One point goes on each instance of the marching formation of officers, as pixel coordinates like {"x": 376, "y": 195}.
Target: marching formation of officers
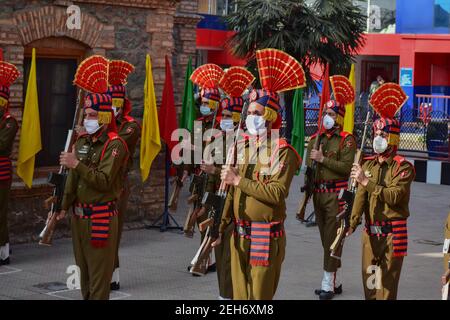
{"x": 250, "y": 247}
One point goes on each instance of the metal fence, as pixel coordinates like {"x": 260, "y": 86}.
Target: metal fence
{"x": 424, "y": 132}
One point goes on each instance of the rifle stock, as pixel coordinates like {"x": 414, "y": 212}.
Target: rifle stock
{"x": 173, "y": 200}
{"x": 308, "y": 187}
{"x": 201, "y": 259}
{"x": 347, "y": 196}
{"x": 59, "y": 182}
{"x": 215, "y": 204}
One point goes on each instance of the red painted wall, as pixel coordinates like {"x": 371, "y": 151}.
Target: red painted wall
{"x": 440, "y": 70}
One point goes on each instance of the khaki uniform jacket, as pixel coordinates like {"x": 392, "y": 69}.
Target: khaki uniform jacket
{"x": 339, "y": 154}
{"x": 96, "y": 180}
{"x": 386, "y": 196}
{"x": 262, "y": 190}
{"x": 130, "y": 132}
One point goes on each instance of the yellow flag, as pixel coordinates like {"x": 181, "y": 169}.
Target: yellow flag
{"x": 349, "y": 119}
{"x": 30, "y": 133}
{"x": 150, "y": 139}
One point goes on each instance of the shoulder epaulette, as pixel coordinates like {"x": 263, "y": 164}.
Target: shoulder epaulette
{"x": 400, "y": 160}
{"x": 111, "y": 137}
{"x": 129, "y": 119}
{"x": 282, "y": 143}
{"x": 345, "y": 134}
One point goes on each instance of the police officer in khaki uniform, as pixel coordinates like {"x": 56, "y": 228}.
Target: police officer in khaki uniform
{"x": 8, "y": 130}
{"x": 231, "y": 107}
{"x": 207, "y": 77}
{"x": 222, "y": 251}
{"x": 130, "y": 131}
{"x": 97, "y": 166}
{"x": 334, "y": 161}
{"x": 258, "y": 188}
{"x": 384, "y": 187}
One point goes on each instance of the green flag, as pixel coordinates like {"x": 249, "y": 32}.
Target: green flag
{"x": 298, "y": 128}
{"x": 188, "y": 112}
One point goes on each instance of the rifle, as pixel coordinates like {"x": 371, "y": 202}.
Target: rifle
{"x": 58, "y": 180}
{"x": 215, "y": 204}
{"x": 308, "y": 187}
{"x": 446, "y": 283}
{"x": 347, "y": 196}
{"x": 173, "y": 200}
{"x": 197, "y": 188}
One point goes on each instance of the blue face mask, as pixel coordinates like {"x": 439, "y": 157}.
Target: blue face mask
{"x": 205, "y": 110}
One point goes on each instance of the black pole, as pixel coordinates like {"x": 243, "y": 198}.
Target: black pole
{"x": 166, "y": 216}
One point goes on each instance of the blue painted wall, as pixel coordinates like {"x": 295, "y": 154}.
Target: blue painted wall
{"x": 417, "y": 16}
{"x": 212, "y": 22}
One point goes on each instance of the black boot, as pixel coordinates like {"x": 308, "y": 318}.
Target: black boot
{"x": 326, "y": 295}
{"x": 115, "y": 285}
{"x": 4, "y": 262}
{"x": 212, "y": 268}
{"x": 337, "y": 290}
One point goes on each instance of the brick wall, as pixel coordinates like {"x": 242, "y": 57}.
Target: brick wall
{"x": 119, "y": 30}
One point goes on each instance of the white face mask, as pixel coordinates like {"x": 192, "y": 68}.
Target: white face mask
{"x": 380, "y": 144}
{"x": 255, "y": 124}
{"x": 91, "y": 126}
{"x": 226, "y": 124}
{"x": 328, "y": 122}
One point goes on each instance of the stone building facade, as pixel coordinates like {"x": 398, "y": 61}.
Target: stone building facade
{"x": 117, "y": 29}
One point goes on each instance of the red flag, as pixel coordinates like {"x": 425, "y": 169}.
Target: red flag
{"x": 167, "y": 115}
{"x": 325, "y": 95}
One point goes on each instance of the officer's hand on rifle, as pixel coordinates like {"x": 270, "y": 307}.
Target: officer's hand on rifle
{"x": 208, "y": 168}
{"x": 185, "y": 175}
{"x": 317, "y": 155}
{"x": 358, "y": 174}
{"x": 80, "y": 130}
{"x": 230, "y": 175}
{"x": 349, "y": 232}
{"x": 217, "y": 242}
{"x": 59, "y": 216}
{"x": 68, "y": 159}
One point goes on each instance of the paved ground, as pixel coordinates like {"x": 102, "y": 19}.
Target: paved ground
{"x": 154, "y": 263}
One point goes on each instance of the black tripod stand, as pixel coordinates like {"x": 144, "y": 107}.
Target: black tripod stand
{"x": 166, "y": 216}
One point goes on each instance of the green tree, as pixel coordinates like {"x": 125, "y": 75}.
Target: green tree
{"x": 323, "y": 31}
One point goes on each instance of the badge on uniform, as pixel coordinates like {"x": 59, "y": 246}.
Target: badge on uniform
{"x": 282, "y": 166}
{"x": 404, "y": 174}
{"x": 367, "y": 174}
{"x": 8, "y": 125}
{"x": 350, "y": 143}
{"x": 84, "y": 149}
{"x": 115, "y": 153}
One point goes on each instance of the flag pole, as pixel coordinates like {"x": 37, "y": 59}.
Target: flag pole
{"x": 166, "y": 216}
